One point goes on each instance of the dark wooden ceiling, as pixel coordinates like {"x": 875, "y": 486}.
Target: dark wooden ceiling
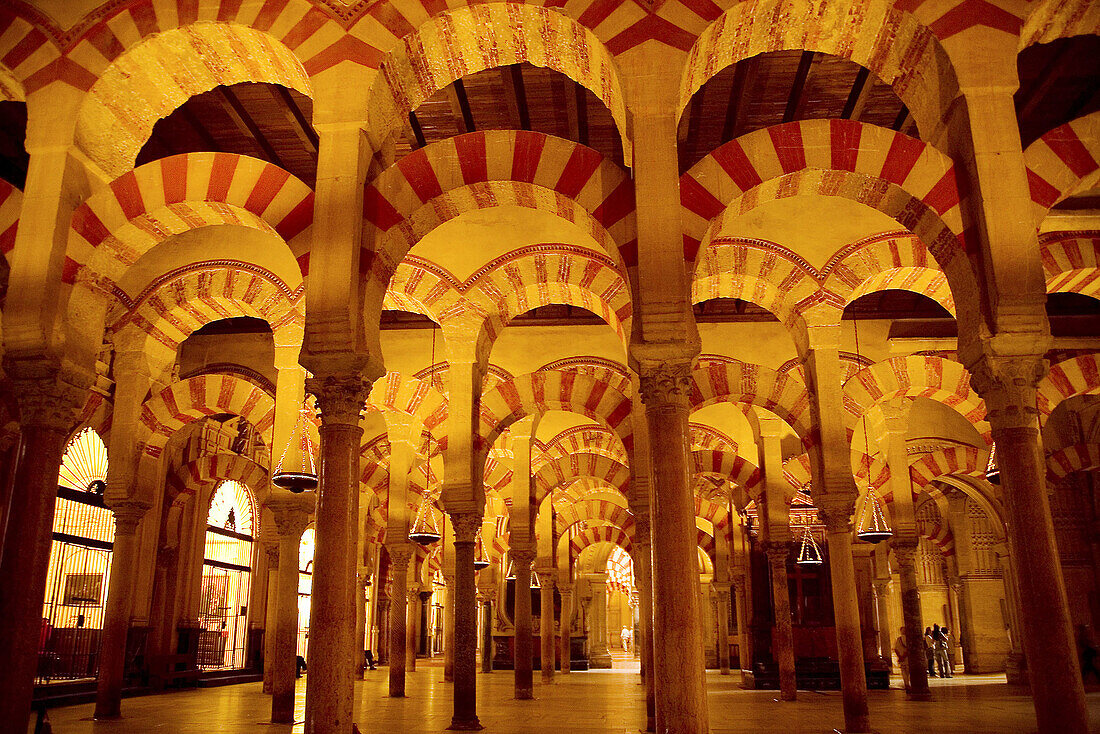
{"x": 1059, "y": 82}
{"x": 13, "y": 155}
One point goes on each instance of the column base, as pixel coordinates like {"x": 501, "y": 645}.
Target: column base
{"x": 525, "y": 695}
{"x": 465, "y": 725}
{"x": 918, "y": 696}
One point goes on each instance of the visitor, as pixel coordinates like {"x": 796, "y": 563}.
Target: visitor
{"x": 627, "y": 636}
{"x": 943, "y": 644}
{"x": 901, "y": 649}
{"x": 301, "y": 666}
{"x": 368, "y": 656}
{"x": 930, "y": 651}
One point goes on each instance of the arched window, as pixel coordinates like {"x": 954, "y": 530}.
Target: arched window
{"x": 305, "y": 588}
{"x": 226, "y": 578}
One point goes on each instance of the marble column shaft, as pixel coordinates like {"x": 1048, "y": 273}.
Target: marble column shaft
{"x": 744, "y": 639}
{"x": 546, "y": 626}
{"x": 882, "y": 618}
{"x": 524, "y": 646}
{"x": 777, "y": 565}
{"x": 566, "y": 592}
{"x": 271, "y": 551}
{"x": 330, "y": 683}
{"x": 487, "y": 636}
{"x": 849, "y": 636}
{"x": 412, "y": 627}
{"x": 724, "y": 630}
{"x": 466, "y": 526}
{"x": 906, "y": 556}
{"x": 400, "y": 553}
{"x": 679, "y": 683}
{"x": 643, "y": 573}
{"x": 449, "y": 629}
{"x": 291, "y": 523}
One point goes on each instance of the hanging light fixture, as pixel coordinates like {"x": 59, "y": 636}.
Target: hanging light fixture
{"x": 809, "y": 553}
{"x": 535, "y": 580}
{"x": 480, "y": 561}
{"x": 511, "y": 575}
{"x": 299, "y": 473}
{"x": 992, "y": 470}
{"x": 872, "y": 526}
{"x": 424, "y": 531}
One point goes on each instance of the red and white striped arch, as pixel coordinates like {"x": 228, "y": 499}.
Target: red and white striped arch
{"x": 1077, "y": 376}
{"x": 538, "y": 392}
{"x": 198, "y": 397}
{"x": 1074, "y": 458}
{"x": 11, "y": 206}
{"x": 598, "y": 368}
{"x": 964, "y": 460}
{"x": 594, "y": 510}
{"x": 470, "y": 39}
{"x": 742, "y": 382}
{"x": 915, "y": 376}
{"x": 409, "y": 396}
{"x": 893, "y": 44}
{"x": 585, "y": 439}
{"x": 121, "y": 222}
{"x": 576, "y": 465}
{"x": 600, "y": 534}
{"x": 178, "y": 303}
{"x": 729, "y": 465}
{"x": 1064, "y": 162}
{"x": 1071, "y": 262}
{"x": 487, "y": 169}
{"x": 1049, "y": 20}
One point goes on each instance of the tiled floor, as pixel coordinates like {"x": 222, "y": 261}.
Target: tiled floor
{"x": 595, "y": 701}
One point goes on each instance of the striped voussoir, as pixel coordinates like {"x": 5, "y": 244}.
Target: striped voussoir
{"x": 1074, "y": 458}
{"x": 960, "y": 460}
{"x": 213, "y": 468}
{"x": 538, "y": 392}
{"x": 738, "y": 470}
{"x": 123, "y": 221}
{"x": 1071, "y": 262}
{"x": 1063, "y": 162}
{"x": 930, "y": 522}
{"x": 566, "y": 469}
{"x": 1077, "y": 376}
{"x": 409, "y": 396}
{"x": 496, "y": 168}
{"x": 198, "y": 397}
{"x": 11, "y": 205}
{"x": 596, "y": 511}
{"x": 1050, "y": 21}
{"x": 706, "y": 438}
{"x": 598, "y": 368}
{"x": 741, "y": 382}
{"x": 587, "y": 439}
{"x": 716, "y": 513}
{"x": 600, "y": 534}
{"x": 796, "y": 470}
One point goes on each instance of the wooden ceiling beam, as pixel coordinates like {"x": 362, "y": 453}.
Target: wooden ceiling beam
{"x": 902, "y": 120}
{"x": 417, "y": 140}
{"x": 735, "y": 111}
{"x": 572, "y": 114}
{"x": 460, "y": 105}
{"x": 582, "y": 113}
{"x": 1042, "y": 84}
{"x": 515, "y": 96}
{"x": 193, "y": 122}
{"x": 857, "y": 98}
{"x": 303, "y": 128}
{"x": 511, "y": 99}
{"x": 797, "y": 99}
{"x": 248, "y": 126}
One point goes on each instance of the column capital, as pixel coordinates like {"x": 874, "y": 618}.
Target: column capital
{"x": 905, "y": 551}
{"x": 522, "y": 555}
{"x": 666, "y": 383}
{"x": 777, "y": 551}
{"x": 723, "y": 593}
{"x": 739, "y": 583}
{"x": 881, "y": 587}
{"x": 48, "y": 401}
{"x": 400, "y": 553}
{"x": 836, "y": 513}
{"x": 340, "y": 397}
{"x": 466, "y": 526}
{"x": 128, "y": 514}
{"x": 271, "y": 552}
{"x": 641, "y": 528}
{"x": 292, "y": 511}
{"x": 1008, "y": 385}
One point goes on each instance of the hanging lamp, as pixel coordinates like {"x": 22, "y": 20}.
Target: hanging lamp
{"x": 480, "y": 561}
{"x": 424, "y": 531}
{"x": 298, "y": 473}
{"x": 872, "y": 526}
{"x": 535, "y": 580}
{"x": 992, "y": 470}
{"x": 511, "y": 575}
{"x": 809, "y": 553}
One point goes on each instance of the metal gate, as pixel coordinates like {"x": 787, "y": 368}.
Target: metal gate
{"x": 223, "y": 641}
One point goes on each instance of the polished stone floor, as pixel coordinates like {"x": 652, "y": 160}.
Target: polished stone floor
{"x": 595, "y": 701}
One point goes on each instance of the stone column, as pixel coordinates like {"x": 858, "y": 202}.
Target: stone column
{"x": 777, "y": 564}
{"x": 882, "y": 618}
{"x": 362, "y": 575}
{"x": 679, "y": 684}
{"x": 291, "y": 517}
{"x": 566, "y": 592}
{"x": 383, "y": 651}
{"x": 643, "y": 576}
{"x": 449, "y": 628}
{"x": 271, "y": 551}
{"x": 400, "y": 553}
{"x": 1008, "y": 386}
{"x": 412, "y": 626}
{"x": 466, "y": 525}
{"x": 487, "y": 636}
{"x": 724, "y": 630}
{"x": 329, "y": 685}
{"x": 523, "y": 649}
{"x": 906, "y": 555}
{"x": 116, "y": 614}
{"x": 47, "y": 409}
{"x": 546, "y": 624}
{"x": 744, "y": 639}
{"x": 599, "y": 656}
{"x": 1015, "y": 664}
{"x": 849, "y": 638}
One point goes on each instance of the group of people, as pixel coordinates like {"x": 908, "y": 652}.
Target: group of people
{"x": 937, "y": 647}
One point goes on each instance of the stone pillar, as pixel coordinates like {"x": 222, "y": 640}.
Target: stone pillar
{"x": 361, "y": 577}
{"x": 546, "y": 624}
{"x": 643, "y": 576}
{"x": 383, "y": 650}
{"x": 849, "y": 638}
{"x": 487, "y": 636}
{"x": 329, "y": 685}
{"x": 291, "y": 517}
{"x": 400, "y": 553}
{"x": 521, "y": 566}
{"x": 47, "y": 409}
{"x": 412, "y": 626}
{"x": 116, "y": 614}
{"x": 466, "y": 525}
{"x": 679, "y": 684}
{"x": 599, "y": 656}
{"x": 566, "y": 592}
{"x": 784, "y": 654}
{"x": 906, "y": 556}
{"x": 744, "y": 639}
{"x": 449, "y": 628}
{"x": 1015, "y": 664}
{"x": 1008, "y": 386}
{"x": 724, "y": 630}
{"x": 882, "y": 618}
{"x": 271, "y": 551}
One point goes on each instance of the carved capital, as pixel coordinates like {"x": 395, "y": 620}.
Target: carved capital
{"x": 666, "y": 383}
{"x": 723, "y": 593}
{"x": 292, "y": 511}
{"x": 128, "y": 515}
{"x": 739, "y": 583}
{"x": 400, "y": 553}
{"x": 340, "y": 398}
{"x": 1008, "y": 386}
{"x": 466, "y": 526}
{"x": 641, "y": 528}
{"x": 881, "y": 587}
{"x": 522, "y": 557}
{"x": 271, "y": 550}
{"x": 49, "y": 402}
{"x": 777, "y": 552}
{"x": 905, "y": 552}
{"x": 837, "y": 514}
